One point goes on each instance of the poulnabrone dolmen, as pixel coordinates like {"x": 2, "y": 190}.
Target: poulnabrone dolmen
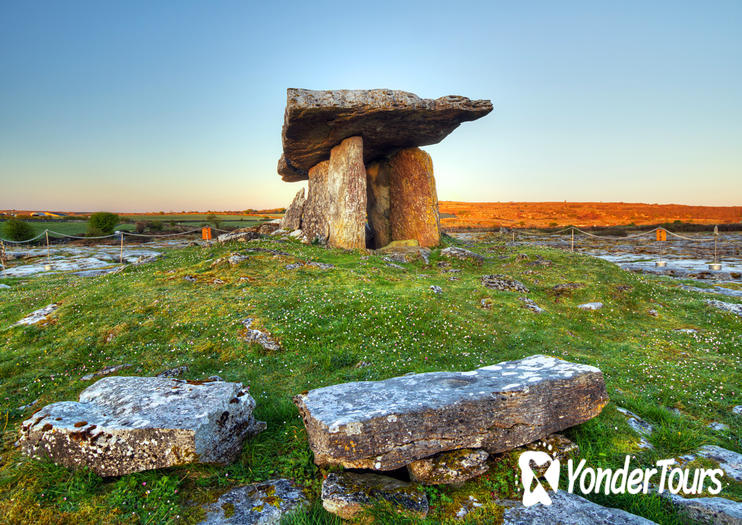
{"x": 369, "y": 182}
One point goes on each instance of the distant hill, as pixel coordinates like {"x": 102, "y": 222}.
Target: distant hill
{"x": 546, "y": 214}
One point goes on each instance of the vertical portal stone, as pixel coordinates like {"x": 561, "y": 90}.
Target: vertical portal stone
{"x": 413, "y": 210}
{"x": 335, "y": 210}
{"x": 377, "y": 191}
{"x": 315, "y": 219}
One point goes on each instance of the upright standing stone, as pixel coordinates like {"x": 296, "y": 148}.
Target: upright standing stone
{"x": 292, "y": 218}
{"x": 414, "y": 201}
{"x": 335, "y": 210}
{"x": 318, "y": 206}
{"x": 377, "y": 186}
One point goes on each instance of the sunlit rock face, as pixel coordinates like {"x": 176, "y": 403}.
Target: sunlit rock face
{"x": 361, "y": 147}
{"x": 385, "y": 425}
{"x": 130, "y": 424}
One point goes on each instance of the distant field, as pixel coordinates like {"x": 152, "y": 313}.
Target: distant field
{"x": 170, "y": 222}
{"x": 582, "y": 214}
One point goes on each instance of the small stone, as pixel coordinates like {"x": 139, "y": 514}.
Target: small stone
{"x": 174, "y": 372}
{"x": 346, "y": 494}
{"x": 503, "y": 283}
{"x": 653, "y": 313}
{"x": 4, "y": 287}
{"x": 590, "y": 306}
{"x": 686, "y": 330}
{"x": 264, "y": 503}
{"x": 130, "y": 424}
{"x": 436, "y": 289}
{"x": 531, "y": 305}
{"x": 268, "y": 228}
{"x": 40, "y": 316}
{"x": 190, "y": 278}
{"x": 395, "y": 266}
{"x": 486, "y": 303}
{"x": 292, "y": 217}
{"x": 461, "y": 253}
{"x": 718, "y": 427}
{"x": 467, "y": 506}
{"x": 737, "y": 410}
{"x": 105, "y": 371}
{"x": 454, "y": 467}
{"x": 730, "y": 462}
{"x": 294, "y": 266}
{"x": 264, "y": 339}
{"x": 24, "y": 407}
{"x": 296, "y": 234}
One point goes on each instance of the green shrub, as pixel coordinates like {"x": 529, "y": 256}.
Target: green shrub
{"x": 17, "y": 230}
{"x": 154, "y": 226}
{"x": 102, "y": 221}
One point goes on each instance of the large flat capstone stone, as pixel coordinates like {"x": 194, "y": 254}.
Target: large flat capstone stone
{"x": 384, "y": 425}
{"x": 129, "y": 424}
{"x": 388, "y": 120}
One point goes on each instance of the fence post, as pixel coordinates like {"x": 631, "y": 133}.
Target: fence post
{"x": 2, "y": 255}
{"x": 573, "y": 239}
{"x": 46, "y": 232}
{"x": 121, "y": 254}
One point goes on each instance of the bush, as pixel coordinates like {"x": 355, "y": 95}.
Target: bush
{"x": 102, "y": 221}
{"x": 17, "y": 230}
{"x": 154, "y": 226}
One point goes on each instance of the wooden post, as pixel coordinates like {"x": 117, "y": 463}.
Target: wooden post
{"x": 573, "y": 240}
{"x": 47, "y": 245}
{"x": 121, "y": 255}
{"x": 513, "y": 236}
{"x": 2, "y": 255}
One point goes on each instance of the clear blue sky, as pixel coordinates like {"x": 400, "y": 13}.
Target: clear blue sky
{"x": 141, "y": 105}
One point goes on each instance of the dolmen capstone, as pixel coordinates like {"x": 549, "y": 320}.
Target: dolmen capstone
{"x": 386, "y": 425}
{"x": 129, "y": 424}
{"x": 369, "y": 183}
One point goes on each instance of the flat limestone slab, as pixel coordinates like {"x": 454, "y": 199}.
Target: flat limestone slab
{"x": 384, "y": 425}
{"x": 129, "y": 424}
{"x": 388, "y": 120}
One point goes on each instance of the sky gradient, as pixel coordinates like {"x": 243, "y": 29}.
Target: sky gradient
{"x": 148, "y": 106}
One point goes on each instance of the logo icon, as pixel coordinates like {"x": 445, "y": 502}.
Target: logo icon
{"x": 537, "y": 494}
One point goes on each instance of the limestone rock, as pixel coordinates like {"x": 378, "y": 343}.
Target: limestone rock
{"x": 503, "y": 283}
{"x": 174, "y": 372}
{"x": 253, "y": 335}
{"x": 388, "y": 120}
{"x": 566, "y": 288}
{"x": 436, "y": 289}
{"x": 531, "y": 305}
{"x": 451, "y": 467}
{"x": 568, "y": 508}
{"x": 292, "y": 217}
{"x": 461, "y": 253}
{"x": 241, "y": 235}
{"x": 636, "y": 423}
{"x": 345, "y": 494}
{"x": 729, "y": 461}
{"x": 732, "y": 308}
{"x": 413, "y": 211}
{"x": 387, "y": 424}
{"x": 590, "y": 306}
{"x": 40, "y": 316}
{"x": 712, "y": 510}
{"x": 264, "y": 503}
{"x": 335, "y": 210}
{"x": 129, "y": 424}
{"x": 718, "y": 427}
{"x": 737, "y": 410}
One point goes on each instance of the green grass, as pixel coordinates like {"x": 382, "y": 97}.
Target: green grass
{"x": 328, "y": 321}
